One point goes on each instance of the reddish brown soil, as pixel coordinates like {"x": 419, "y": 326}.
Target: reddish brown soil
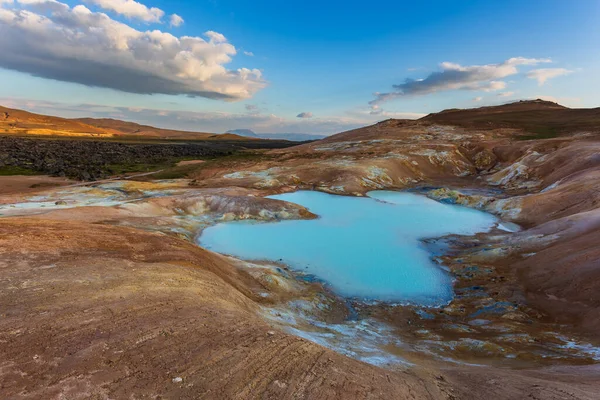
{"x": 537, "y": 117}
{"x": 93, "y": 311}
{"x": 18, "y": 184}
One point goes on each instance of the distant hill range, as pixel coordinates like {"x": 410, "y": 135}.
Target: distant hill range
{"x": 530, "y": 119}
{"x": 133, "y": 129}
{"x": 540, "y": 117}
{"x": 294, "y": 137}
{"x": 19, "y": 122}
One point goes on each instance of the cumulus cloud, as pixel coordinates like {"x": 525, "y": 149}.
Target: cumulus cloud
{"x": 543, "y": 74}
{"x": 305, "y": 115}
{"x": 249, "y": 53}
{"x": 49, "y": 39}
{"x": 176, "y": 20}
{"x": 454, "y": 76}
{"x": 42, "y": 5}
{"x": 216, "y": 37}
{"x": 505, "y": 94}
{"x": 477, "y": 99}
{"x": 130, "y": 9}
{"x": 376, "y": 114}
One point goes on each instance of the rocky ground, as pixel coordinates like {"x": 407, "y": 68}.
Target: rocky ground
{"x": 104, "y": 293}
{"x": 91, "y": 160}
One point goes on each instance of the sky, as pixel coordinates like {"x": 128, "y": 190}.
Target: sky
{"x": 303, "y": 67}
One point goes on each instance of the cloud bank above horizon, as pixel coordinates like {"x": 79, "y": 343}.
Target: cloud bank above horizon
{"x": 258, "y": 120}
{"x": 49, "y": 39}
{"x": 171, "y": 59}
{"x": 480, "y": 78}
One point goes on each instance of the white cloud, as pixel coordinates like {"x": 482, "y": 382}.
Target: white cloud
{"x": 305, "y": 115}
{"x": 505, "y": 94}
{"x": 477, "y": 99}
{"x": 249, "y": 53}
{"x": 49, "y": 39}
{"x": 44, "y": 6}
{"x": 543, "y": 74}
{"x": 376, "y": 114}
{"x": 176, "y": 20}
{"x": 458, "y": 77}
{"x": 130, "y": 9}
{"x": 216, "y": 37}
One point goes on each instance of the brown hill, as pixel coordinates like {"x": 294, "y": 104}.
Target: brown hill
{"x": 538, "y": 117}
{"x": 530, "y": 119}
{"x": 23, "y": 123}
{"x": 19, "y": 122}
{"x": 134, "y": 129}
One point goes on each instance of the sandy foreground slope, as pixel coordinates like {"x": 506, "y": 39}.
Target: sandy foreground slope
{"x": 114, "y": 300}
{"x": 94, "y": 311}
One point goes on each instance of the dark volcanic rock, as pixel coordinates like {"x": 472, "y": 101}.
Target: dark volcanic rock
{"x": 91, "y": 160}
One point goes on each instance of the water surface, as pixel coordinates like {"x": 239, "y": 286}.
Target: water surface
{"x": 367, "y": 248}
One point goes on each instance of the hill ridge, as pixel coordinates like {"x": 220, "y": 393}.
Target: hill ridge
{"x": 25, "y": 123}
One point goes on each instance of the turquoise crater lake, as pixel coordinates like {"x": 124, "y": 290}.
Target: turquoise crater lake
{"x": 362, "y": 247}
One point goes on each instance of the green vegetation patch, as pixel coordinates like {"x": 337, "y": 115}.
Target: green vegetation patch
{"x": 9, "y": 170}
{"x": 185, "y": 171}
{"x": 542, "y": 132}
{"x": 176, "y": 172}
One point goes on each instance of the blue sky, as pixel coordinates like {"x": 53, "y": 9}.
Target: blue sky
{"x": 323, "y": 60}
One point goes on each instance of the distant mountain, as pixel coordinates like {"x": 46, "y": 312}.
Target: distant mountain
{"x": 294, "y": 137}
{"x": 243, "y": 132}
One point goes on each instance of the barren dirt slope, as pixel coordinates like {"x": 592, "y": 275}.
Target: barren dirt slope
{"x": 540, "y": 117}
{"x": 22, "y": 122}
{"x": 521, "y": 120}
{"x": 19, "y": 122}
{"x": 133, "y": 129}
